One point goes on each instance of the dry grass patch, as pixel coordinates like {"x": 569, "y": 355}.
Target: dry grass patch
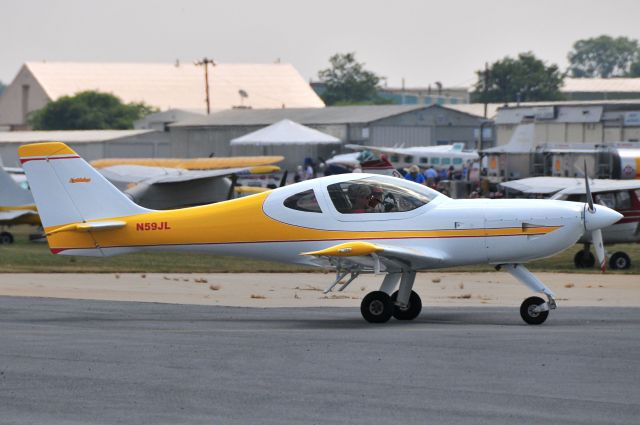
{"x": 215, "y": 287}
{"x": 258, "y": 297}
{"x": 461, "y": 297}
{"x": 435, "y": 280}
{"x": 200, "y": 280}
{"x": 569, "y": 285}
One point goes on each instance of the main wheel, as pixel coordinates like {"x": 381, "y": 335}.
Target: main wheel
{"x": 376, "y": 307}
{"x": 528, "y": 313}
{"x": 411, "y": 311}
{"x": 584, "y": 259}
{"x": 6, "y": 238}
{"x": 619, "y": 261}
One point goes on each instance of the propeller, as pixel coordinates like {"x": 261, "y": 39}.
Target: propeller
{"x": 234, "y": 180}
{"x": 283, "y": 180}
{"x": 596, "y": 235}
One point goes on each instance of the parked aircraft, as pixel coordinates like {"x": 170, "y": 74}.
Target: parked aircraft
{"x": 355, "y": 223}
{"x": 439, "y": 157}
{"x": 16, "y": 206}
{"x": 364, "y": 161}
{"x": 165, "y": 183}
{"x": 620, "y": 195}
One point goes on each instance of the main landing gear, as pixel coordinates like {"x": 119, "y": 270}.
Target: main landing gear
{"x": 403, "y": 304}
{"x": 584, "y": 259}
{"x": 533, "y": 310}
{"x": 6, "y": 238}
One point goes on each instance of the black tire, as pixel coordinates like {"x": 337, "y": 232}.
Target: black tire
{"x": 584, "y": 259}
{"x": 410, "y": 312}
{"x": 527, "y": 313}
{"x": 619, "y": 261}
{"x": 6, "y": 238}
{"x": 376, "y": 307}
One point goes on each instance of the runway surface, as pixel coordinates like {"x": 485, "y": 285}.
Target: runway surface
{"x": 104, "y": 362}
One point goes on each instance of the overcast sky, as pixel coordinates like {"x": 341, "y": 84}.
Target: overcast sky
{"x": 420, "y": 40}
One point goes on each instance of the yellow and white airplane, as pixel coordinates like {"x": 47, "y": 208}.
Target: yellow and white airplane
{"x": 355, "y": 223}
{"x": 16, "y": 206}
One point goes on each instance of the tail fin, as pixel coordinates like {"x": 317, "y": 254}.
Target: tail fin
{"x": 11, "y": 194}
{"x": 67, "y": 189}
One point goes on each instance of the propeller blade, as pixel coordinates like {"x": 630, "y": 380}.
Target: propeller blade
{"x": 283, "y": 180}
{"x": 234, "y": 181}
{"x": 596, "y": 239}
{"x": 588, "y": 189}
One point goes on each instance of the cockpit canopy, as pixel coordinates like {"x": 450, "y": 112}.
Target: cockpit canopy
{"x": 370, "y": 195}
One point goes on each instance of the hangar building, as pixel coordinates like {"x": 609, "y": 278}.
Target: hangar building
{"x": 373, "y": 125}
{"x": 590, "y": 122}
{"x": 164, "y": 86}
{"x": 90, "y": 144}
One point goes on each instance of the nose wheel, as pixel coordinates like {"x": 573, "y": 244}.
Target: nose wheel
{"x": 534, "y": 311}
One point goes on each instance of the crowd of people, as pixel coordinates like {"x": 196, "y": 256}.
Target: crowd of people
{"x": 430, "y": 177}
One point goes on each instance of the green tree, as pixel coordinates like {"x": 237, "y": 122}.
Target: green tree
{"x": 634, "y": 71}
{"x": 524, "y": 79}
{"x": 603, "y": 57}
{"x": 348, "y": 83}
{"x": 88, "y": 110}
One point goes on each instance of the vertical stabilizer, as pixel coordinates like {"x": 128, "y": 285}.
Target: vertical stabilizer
{"x": 69, "y": 190}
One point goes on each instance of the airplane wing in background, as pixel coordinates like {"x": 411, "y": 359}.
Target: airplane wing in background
{"x": 214, "y": 163}
{"x": 10, "y": 215}
{"x": 360, "y": 255}
{"x": 167, "y": 188}
{"x": 159, "y": 175}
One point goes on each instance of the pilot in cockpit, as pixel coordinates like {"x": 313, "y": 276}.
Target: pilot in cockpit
{"x": 367, "y": 199}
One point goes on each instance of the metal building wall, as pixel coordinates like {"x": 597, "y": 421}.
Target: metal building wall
{"x": 425, "y": 127}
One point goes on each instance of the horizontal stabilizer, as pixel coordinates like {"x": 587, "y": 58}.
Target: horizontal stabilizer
{"x": 91, "y": 226}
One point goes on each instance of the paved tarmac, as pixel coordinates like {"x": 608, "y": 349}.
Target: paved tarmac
{"x": 103, "y": 362}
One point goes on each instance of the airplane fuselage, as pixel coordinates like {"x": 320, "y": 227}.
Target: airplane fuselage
{"x": 462, "y": 231}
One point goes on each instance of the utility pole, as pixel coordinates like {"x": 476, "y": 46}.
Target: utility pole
{"x": 485, "y": 88}
{"x": 206, "y": 62}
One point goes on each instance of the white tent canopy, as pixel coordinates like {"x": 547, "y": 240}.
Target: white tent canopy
{"x": 285, "y": 132}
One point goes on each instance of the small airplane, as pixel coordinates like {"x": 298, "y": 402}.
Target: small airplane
{"x": 355, "y": 223}
{"x": 16, "y": 206}
{"x": 175, "y": 183}
{"x": 363, "y": 161}
{"x": 439, "y": 157}
{"x": 620, "y": 195}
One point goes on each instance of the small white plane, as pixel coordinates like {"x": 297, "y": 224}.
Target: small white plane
{"x": 439, "y": 157}
{"x": 176, "y": 183}
{"x": 620, "y": 195}
{"x": 354, "y": 223}
{"x": 16, "y": 206}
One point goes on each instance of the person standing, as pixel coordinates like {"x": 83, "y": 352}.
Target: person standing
{"x": 415, "y": 175}
{"x": 431, "y": 176}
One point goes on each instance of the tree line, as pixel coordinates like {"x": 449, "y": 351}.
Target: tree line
{"x": 524, "y": 78}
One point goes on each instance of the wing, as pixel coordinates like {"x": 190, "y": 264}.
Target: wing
{"x": 213, "y": 163}
{"x": 366, "y": 256}
{"x": 13, "y": 214}
{"x": 159, "y": 175}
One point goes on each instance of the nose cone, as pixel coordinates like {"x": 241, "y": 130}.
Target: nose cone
{"x": 600, "y": 218}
